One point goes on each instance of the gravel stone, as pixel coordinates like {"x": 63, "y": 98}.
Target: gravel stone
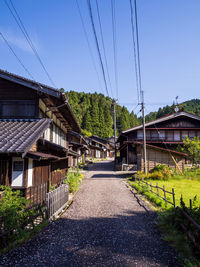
{"x": 106, "y": 225}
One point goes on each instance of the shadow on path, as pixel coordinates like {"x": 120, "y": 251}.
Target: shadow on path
{"x": 121, "y": 240}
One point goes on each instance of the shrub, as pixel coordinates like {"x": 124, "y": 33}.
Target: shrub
{"x": 159, "y": 172}
{"x": 73, "y": 179}
{"x": 13, "y": 214}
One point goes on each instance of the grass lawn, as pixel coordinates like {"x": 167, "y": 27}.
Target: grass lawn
{"x": 185, "y": 187}
{"x": 186, "y": 184}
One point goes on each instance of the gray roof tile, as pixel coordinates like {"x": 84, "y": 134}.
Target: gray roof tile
{"x": 19, "y": 135}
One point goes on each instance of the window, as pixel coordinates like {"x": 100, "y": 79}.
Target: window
{"x": 17, "y": 108}
{"x": 139, "y": 134}
{"x": 184, "y": 134}
{"x": 161, "y": 135}
{"x": 148, "y": 135}
{"x": 177, "y": 136}
{"x": 191, "y": 134}
{"x": 170, "y": 136}
{"x": 18, "y": 166}
{"x": 155, "y": 135}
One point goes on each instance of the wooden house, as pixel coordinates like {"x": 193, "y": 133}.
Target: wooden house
{"x": 78, "y": 148}
{"x": 34, "y": 122}
{"x": 96, "y": 149}
{"x": 110, "y": 147}
{"x": 162, "y": 137}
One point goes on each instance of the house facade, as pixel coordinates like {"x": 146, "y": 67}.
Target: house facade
{"x": 34, "y": 122}
{"x": 163, "y": 135}
{"x": 96, "y": 149}
{"x": 78, "y": 148}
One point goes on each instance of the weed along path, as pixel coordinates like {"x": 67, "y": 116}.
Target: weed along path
{"x": 106, "y": 225}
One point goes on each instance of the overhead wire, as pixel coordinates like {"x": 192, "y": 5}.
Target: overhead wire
{"x": 138, "y": 50}
{"x": 114, "y": 46}
{"x": 97, "y": 45}
{"x": 103, "y": 45}
{"x": 134, "y": 50}
{"x": 18, "y": 59}
{"x": 88, "y": 43}
{"x": 27, "y": 37}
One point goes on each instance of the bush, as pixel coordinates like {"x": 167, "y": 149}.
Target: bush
{"x": 73, "y": 179}
{"x": 13, "y": 215}
{"x": 159, "y": 172}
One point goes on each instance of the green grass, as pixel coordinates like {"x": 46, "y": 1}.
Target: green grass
{"x": 188, "y": 256}
{"x": 186, "y": 188}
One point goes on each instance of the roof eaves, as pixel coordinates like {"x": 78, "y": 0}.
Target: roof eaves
{"x": 174, "y": 115}
{"x": 30, "y": 83}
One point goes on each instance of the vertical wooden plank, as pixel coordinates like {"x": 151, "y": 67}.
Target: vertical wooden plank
{"x": 151, "y": 187}
{"x": 157, "y": 189}
{"x": 173, "y": 194}
{"x": 165, "y": 196}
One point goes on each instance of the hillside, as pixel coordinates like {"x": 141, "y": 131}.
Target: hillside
{"x": 94, "y": 113}
{"x": 191, "y": 106}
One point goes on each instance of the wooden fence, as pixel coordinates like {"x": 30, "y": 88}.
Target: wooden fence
{"x": 57, "y": 200}
{"x": 191, "y": 228}
{"x": 37, "y": 194}
{"x": 157, "y": 190}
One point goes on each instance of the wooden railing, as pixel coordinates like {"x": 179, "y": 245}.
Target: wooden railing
{"x": 142, "y": 182}
{"x": 57, "y": 200}
{"x": 191, "y": 228}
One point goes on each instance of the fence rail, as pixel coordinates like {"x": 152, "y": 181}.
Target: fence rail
{"x": 189, "y": 227}
{"x": 143, "y": 183}
{"x": 57, "y": 200}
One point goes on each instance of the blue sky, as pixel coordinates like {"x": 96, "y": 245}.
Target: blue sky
{"x": 169, "y": 47}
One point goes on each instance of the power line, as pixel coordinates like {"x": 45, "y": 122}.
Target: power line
{"x": 114, "y": 44}
{"x": 88, "y": 43}
{"x": 138, "y": 50}
{"x": 18, "y": 59}
{"x": 97, "y": 45}
{"x": 27, "y": 37}
{"x": 103, "y": 45}
{"x": 134, "y": 49}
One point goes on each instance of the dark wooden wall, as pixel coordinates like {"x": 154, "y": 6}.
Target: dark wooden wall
{"x": 4, "y": 172}
{"x": 41, "y": 172}
{"x": 17, "y": 101}
{"x": 58, "y": 171}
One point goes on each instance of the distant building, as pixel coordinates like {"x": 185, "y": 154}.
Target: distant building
{"x": 162, "y": 137}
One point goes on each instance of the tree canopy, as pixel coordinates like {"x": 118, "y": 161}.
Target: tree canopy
{"x": 94, "y": 113}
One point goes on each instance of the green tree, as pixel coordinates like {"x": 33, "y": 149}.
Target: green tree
{"x": 192, "y": 147}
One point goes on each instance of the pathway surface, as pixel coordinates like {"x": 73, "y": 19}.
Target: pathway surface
{"x": 107, "y": 225}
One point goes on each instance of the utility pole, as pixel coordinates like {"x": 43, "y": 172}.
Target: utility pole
{"x": 144, "y": 134}
{"x": 114, "y": 121}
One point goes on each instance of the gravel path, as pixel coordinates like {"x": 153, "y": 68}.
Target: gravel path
{"x": 107, "y": 225}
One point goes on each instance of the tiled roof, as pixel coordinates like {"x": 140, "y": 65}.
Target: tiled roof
{"x": 19, "y": 135}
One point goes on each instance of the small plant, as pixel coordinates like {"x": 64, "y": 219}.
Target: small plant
{"x": 52, "y": 187}
{"x": 73, "y": 178}
{"x": 13, "y": 214}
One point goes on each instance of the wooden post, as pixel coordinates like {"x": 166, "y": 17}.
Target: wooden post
{"x": 157, "y": 189}
{"x": 173, "y": 194}
{"x": 165, "y": 196}
{"x": 190, "y": 203}
{"x": 151, "y": 187}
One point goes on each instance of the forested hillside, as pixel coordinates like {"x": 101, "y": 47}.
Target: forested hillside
{"x": 94, "y": 113}
{"x": 191, "y": 106}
